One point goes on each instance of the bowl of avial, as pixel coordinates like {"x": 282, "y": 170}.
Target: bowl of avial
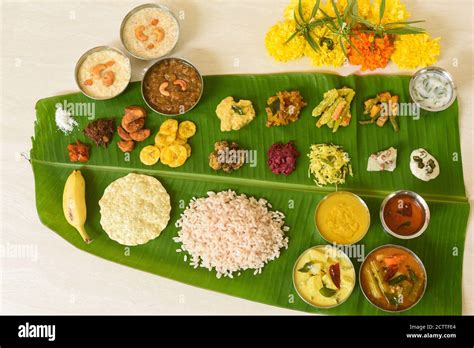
{"x": 323, "y": 276}
{"x": 342, "y": 218}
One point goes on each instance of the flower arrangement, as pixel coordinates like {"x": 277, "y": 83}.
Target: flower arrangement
{"x": 366, "y": 33}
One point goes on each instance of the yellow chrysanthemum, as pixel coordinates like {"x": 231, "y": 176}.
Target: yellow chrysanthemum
{"x": 325, "y": 56}
{"x": 395, "y": 11}
{"x": 278, "y": 48}
{"x": 415, "y": 51}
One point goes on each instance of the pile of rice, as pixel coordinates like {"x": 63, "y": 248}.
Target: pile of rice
{"x": 231, "y": 233}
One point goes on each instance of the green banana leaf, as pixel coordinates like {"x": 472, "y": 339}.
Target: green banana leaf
{"x": 441, "y": 247}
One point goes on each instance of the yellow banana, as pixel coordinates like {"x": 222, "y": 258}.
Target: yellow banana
{"x": 74, "y": 203}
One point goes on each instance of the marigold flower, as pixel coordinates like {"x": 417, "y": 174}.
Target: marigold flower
{"x": 278, "y": 48}
{"x": 372, "y": 52}
{"x": 415, "y": 51}
{"x": 394, "y": 11}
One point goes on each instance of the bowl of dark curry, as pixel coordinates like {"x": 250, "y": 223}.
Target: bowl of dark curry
{"x": 172, "y": 86}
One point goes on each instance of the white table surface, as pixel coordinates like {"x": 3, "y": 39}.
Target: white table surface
{"x": 41, "y": 42}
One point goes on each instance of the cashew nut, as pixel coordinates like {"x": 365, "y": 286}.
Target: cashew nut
{"x": 181, "y": 83}
{"x": 150, "y": 46}
{"x": 108, "y": 78}
{"x": 97, "y": 70}
{"x": 139, "y": 33}
{"x": 88, "y": 82}
{"x": 163, "y": 90}
{"x": 159, "y": 34}
{"x": 155, "y": 21}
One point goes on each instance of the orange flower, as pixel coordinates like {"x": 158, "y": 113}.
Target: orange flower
{"x": 372, "y": 52}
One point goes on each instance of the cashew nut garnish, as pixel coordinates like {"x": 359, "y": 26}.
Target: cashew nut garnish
{"x": 139, "y": 33}
{"x": 155, "y": 21}
{"x": 159, "y": 34}
{"x": 163, "y": 90}
{"x": 150, "y": 46}
{"x": 88, "y": 82}
{"x": 108, "y": 78}
{"x": 181, "y": 83}
{"x": 97, "y": 70}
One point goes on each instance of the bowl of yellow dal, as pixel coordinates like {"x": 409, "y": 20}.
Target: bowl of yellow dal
{"x": 342, "y": 218}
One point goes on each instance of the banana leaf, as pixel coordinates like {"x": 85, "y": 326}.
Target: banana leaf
{"x": 441, "y": 247}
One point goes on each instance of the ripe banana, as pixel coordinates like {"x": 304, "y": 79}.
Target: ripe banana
{"x": 74, "y": 203}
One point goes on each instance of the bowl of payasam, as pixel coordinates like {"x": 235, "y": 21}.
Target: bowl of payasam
{"x": 324, "y": 276}
{"x": 393, "y": 278}
{"x": 149, "y": 31}
{"x": 342, "y": 218}
{"x": 103, "y": 72}
{"x": 172, "y": 86}
{"x": 404, "y": 214}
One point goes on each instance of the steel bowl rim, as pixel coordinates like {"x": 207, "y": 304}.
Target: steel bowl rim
{"x": 138, "y": 8}
{"x": 159, "y": 61}
{"x": 441, "y": 71}
{"x": 359, "y": 199}
{"x": 86, "y": 54}
{"x": 294, "y": 272}
{"x": 420, "y": 200}
{"x": 415, "y": 256}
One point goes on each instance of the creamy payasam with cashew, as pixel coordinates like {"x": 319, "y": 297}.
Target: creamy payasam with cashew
{"x": 104, "y": 74}
{"x": 172, "y": 86}
{"x": 150, "y": 33}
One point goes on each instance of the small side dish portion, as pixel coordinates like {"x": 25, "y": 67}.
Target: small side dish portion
{"x": 382, "y": 108}
{"x": 385, "y": 160}
{"x": 335, "y": 109}
{"x": 103, "y": 73}
{"x": 172, "y": 86}
{"x": 423, "y": 165}
{"x": 226, "y": 156}
{"x": 284, "y": 108}
{"x": 282, "y": 158}
{"x": 100, "y": 131}
{"x": 324, "y": 276}
{"x": 234, "y": 115}
{"x": 393, "y": 278}
{"x": 131, "y": 128}
{"x": 150, "y": 32}
{"x": 64, "y": 120}
{"x": 329, "y": 164}
{"x": 78, "y": 152}
{"x": 172, "y": 143}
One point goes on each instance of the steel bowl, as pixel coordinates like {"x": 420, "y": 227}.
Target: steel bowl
{"x": 87, "y": 54}
{"x": 444, "y": 73}
{"x": 138, "y": 8}
{"x": 295, "y": 270}
{"x": 420, "y": 200}
{"x": 159, "y": 62}
{"x": 422, "y": 266}
{"x": 330, "y": 195}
